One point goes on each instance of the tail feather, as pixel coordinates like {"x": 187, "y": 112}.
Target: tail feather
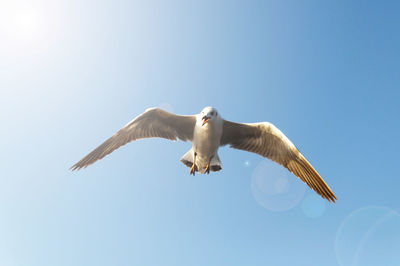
{"x": 187, "y": 159}
{"x": 215, "y": 164}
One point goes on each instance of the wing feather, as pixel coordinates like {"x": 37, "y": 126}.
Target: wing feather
{"x": 152, "y": 123}
{"x": 268, "y": 141}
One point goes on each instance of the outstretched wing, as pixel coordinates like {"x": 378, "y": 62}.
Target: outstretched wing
{"x": 152, "y": 123}
{"x": 268, "y": 141}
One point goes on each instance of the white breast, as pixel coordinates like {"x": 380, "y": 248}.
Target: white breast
{"x": 206, "y": 139}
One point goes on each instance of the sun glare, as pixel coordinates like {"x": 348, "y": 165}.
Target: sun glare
{"x": 26, "y": 21}
{"x": 25, "y": 28}
{"x": 22, "y": 22}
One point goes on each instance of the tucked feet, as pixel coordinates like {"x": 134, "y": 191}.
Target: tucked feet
{"x": 207, "y": 169}
{"x": 193, "y": 169}
{"x": 208, "y": 166}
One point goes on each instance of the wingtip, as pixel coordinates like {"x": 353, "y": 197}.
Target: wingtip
{"x": 332, "y": 198}
{"x": 74, "y": 168}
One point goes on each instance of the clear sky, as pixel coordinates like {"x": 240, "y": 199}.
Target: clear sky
{"x": 326, "y": 73}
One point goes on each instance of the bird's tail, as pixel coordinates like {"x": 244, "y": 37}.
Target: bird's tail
{"x": 215, "y": 164}
{"x": 187, "y": 159}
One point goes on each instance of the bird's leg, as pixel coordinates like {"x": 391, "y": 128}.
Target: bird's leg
{"x": 208, "y": 169}
{"x": 193, "y": 168}
{"x": 208, "y": 165}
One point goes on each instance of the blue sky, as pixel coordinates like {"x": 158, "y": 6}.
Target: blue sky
{"x": 73, "y": 72}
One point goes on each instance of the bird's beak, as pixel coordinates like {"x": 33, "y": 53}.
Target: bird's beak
{"x": 205, "y": 120}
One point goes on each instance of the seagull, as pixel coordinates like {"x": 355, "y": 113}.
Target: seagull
{"x": 208, "y": 131}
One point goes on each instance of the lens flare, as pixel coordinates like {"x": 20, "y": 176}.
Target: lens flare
{"x": 275, "y": 188}
{"x": 313, "y": 206}
{"x": 369, "y": 236}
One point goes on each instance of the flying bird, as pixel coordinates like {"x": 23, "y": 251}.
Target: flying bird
{"x": 208, "y": 131}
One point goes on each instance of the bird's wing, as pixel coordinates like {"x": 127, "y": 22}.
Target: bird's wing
{"x": 152, "y": 123}
{"x": 268, "y": 141}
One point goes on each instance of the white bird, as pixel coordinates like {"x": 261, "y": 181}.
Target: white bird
{"x": 208, "y": 131}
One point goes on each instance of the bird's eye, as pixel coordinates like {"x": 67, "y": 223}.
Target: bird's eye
{"x": 212, "y": 113}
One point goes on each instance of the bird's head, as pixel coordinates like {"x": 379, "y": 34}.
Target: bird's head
{"x": 208, "y": 114}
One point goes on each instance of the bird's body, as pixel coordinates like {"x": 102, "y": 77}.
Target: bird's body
{"x": 208, "y": 131}
{"x": 206, "y": 141}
